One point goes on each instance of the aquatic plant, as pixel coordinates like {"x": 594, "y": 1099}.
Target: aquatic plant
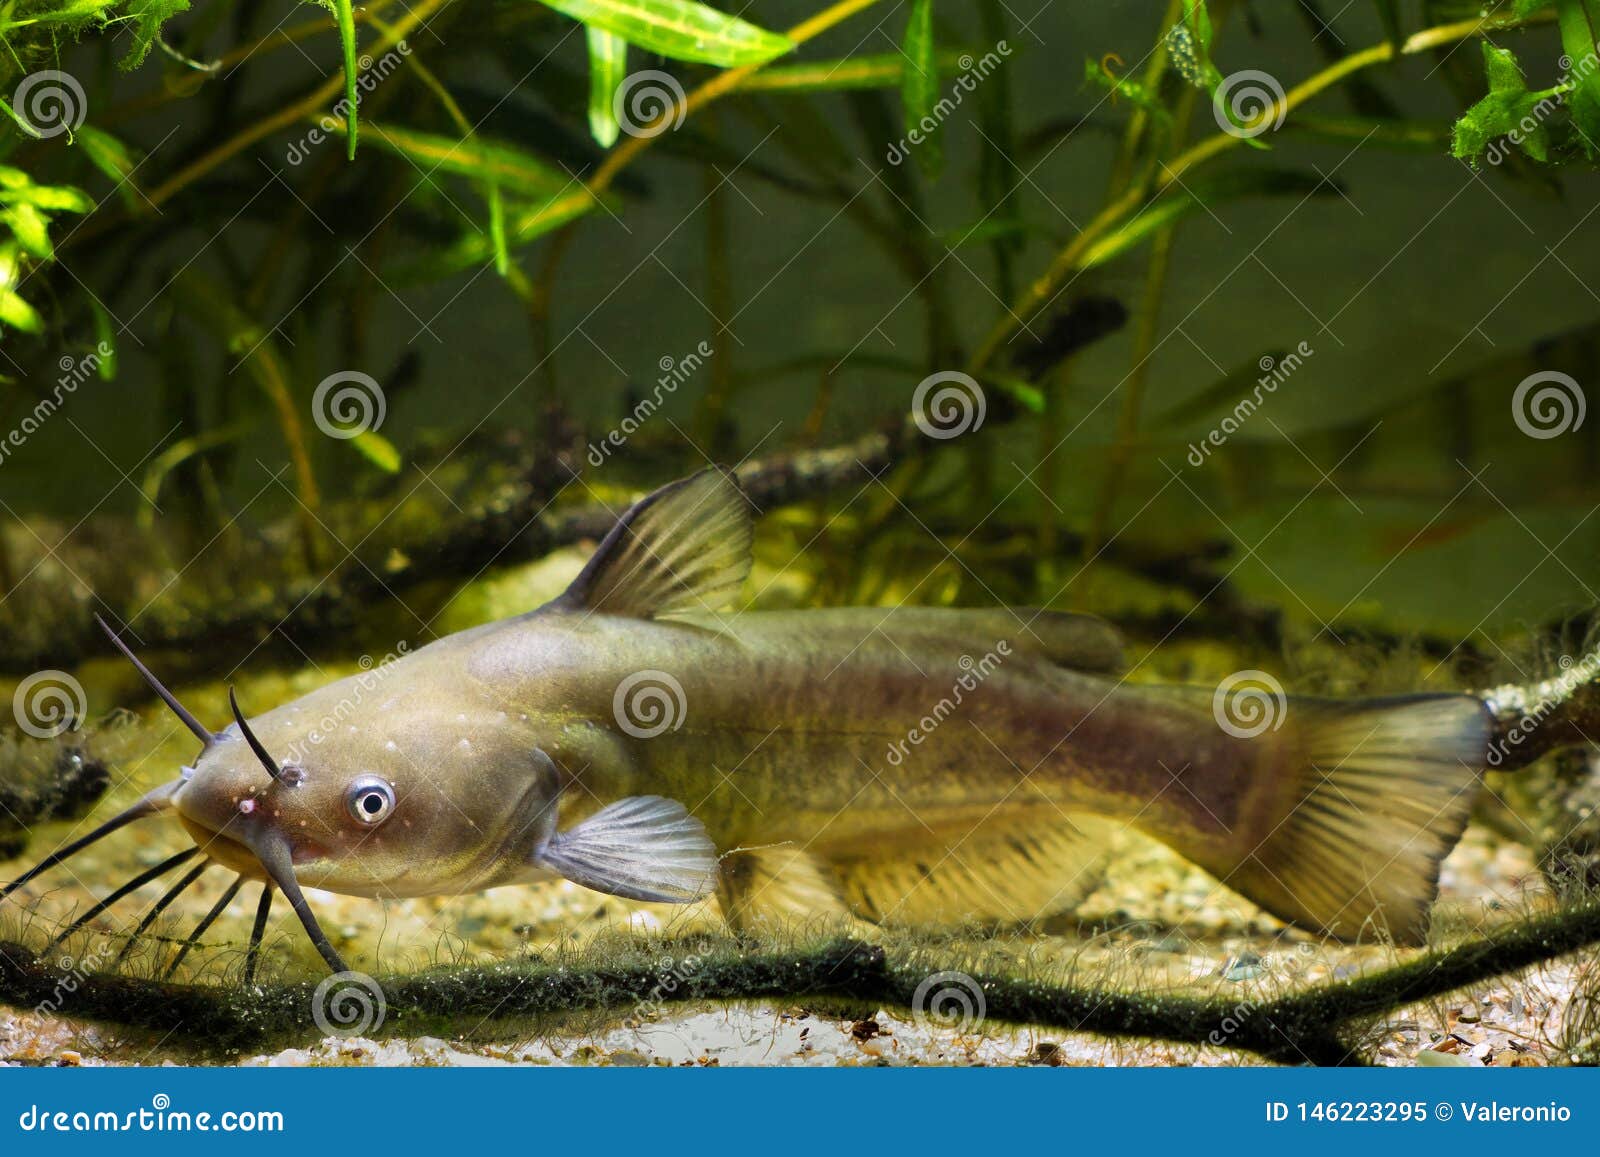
{"x": 414, "y": 164}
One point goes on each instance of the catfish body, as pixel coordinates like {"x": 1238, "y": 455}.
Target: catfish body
{"x": 909, "y": 765}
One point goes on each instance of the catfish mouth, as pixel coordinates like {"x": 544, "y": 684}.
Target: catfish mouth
{"x": 256, "y": 853}
{"x": 236, "y": 853}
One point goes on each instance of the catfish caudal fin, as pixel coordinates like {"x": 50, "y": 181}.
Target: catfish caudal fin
{"x": 1379, "y": 795}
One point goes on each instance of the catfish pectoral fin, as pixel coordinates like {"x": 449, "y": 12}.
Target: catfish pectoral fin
{"x": 1377, "y": 795}
{"x": 640, "y": 848}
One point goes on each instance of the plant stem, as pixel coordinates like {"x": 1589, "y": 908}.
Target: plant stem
{"x": 1066, "y": 261}
{"x": 287, "y": 115}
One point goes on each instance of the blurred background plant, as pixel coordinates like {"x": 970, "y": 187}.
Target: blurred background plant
{"x": 310, "y": 313}
{"x": 1266, "y": 329}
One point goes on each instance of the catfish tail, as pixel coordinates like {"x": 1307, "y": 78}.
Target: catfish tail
{"x": 1374, "y": 794}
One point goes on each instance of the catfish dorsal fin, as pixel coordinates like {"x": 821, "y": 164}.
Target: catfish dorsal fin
{"x": 686, "y": 547}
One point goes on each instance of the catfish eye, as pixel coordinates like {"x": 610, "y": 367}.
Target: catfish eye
{"x": 370, "y": 799}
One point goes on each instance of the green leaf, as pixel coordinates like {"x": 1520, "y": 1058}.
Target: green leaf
{"x": 1175, "y": 206}
{"x": 1508, "y": 109}
{"x": 919, "y": 86}
{"x": 473, "y": 156}
{"x": 525, "y": 225}
{"x": 1579, "y": 21}
{"x": 113, "y": 158}
{"x": 1095, "y": 73}
{"x": 876, "y": 70}
{"x": 1028, "y": 395}
{"x": 608, "y": 68}
{"x": 17, "y": 313}
{"x": 378, "y": 450}
{"x": 147, "y": 17}
{"x": 680, "y": 30}
{"x": 345, "y": 15}
{"x": 49, "y": 198}
{"x": 21, "y": 122}
{"x": 31, "y": 229}
{"x": 105, "y": 342}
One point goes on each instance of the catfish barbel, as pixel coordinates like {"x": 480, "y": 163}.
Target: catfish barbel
{"x": 918, "y": 766}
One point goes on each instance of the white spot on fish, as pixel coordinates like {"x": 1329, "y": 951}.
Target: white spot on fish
{"x": 391, "y": 746}
{"x": 246, "y": 806}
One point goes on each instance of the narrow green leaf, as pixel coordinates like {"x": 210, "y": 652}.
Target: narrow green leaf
{"x": 49, "y": 198}
{"x": 1025, "y": 393}
{"x": 473, "y": 156}
{"x": 877, "y": 70}
{"x": 31, "y": 229}
{"x": 497, "y": 229}
{"x": 378, "y": 450}
{"x": 679, "y": 30}
{"x": 113, "y": 158}
{"x": 17, "y": 313}
{"x": 175, "y": 455}
{"x": 21, "y": 122}
{"x": 523, "y": 226}
{"x": 1201, "y": 194}
{"x": 608, "y": 68}
{"x": 345, "y": 14}
{"x": 1579, "y": 21}
{"x": 105, "y": 342}
{"x": 919, "y": 87}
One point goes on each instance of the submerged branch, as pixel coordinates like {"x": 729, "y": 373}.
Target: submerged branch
{"x": 1315, "y": 1025}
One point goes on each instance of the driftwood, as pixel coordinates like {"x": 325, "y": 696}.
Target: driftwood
{"x": 517, "y": 520}
{"x": 1318, "y": 1025}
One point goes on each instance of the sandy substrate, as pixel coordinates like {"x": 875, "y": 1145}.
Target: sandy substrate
{"x": 1156, "y": 925}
